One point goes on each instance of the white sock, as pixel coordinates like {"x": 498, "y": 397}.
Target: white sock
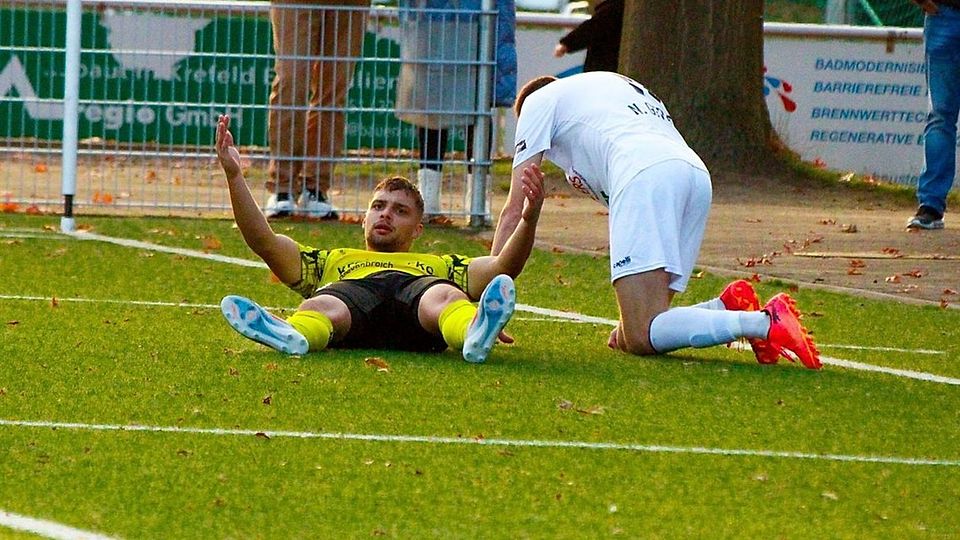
{"x": 697, "y": 327}
{"x": 716, "y": 304}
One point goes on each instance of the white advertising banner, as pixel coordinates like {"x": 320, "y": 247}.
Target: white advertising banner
{"x": 849, "y": 99}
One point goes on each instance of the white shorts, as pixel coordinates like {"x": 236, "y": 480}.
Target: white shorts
{"x": 657, "y": 221}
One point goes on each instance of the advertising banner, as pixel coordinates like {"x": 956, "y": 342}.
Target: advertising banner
{"x": 852, "y": 104}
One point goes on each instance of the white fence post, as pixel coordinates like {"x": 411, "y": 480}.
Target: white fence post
{"x": 481, "y": 133}
{"x": 71, "y": 99}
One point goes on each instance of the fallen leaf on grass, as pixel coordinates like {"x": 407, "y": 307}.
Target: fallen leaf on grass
{"x": 262, "y": 435}
{"x": 828, "y": 221}
{"x": 891, "y": 251}
{"x": 595, "y": 409}
{"x": 13, "y": 323}
{"x": 943, "y": 303}
{"x": 892, "y": 279}
{"x": 949, "y": 292}
{"x": 267, "y": 400}
{"x": 212, "y": 243}
{"x": 378, "y": 363}
{"x": 54, "y": 303}
{"x": 848, "y": 228}
{"x": 915, "y": 273}
{"x": 857, "y": 263}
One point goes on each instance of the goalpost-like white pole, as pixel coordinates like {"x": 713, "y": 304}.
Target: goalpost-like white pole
{"x": 71, "y": 99}
{"x": 484, "y": 104}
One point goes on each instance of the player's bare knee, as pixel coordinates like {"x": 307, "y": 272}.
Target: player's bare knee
{"x": 640, "y": 348}
{"x": 442, "y": 294}
{"x": 637, "y": 342}
{"x": 331, "y": 306}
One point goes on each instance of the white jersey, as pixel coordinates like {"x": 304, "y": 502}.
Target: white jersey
{"x": 602, "y": 129}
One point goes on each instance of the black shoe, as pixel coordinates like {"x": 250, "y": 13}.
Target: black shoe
{"x": 926, "y": 218}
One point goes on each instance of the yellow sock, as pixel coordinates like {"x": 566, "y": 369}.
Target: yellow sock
{"x": 454, "y": 320}
{"x": 314, "y": 326}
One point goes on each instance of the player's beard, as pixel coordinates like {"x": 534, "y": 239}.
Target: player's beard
{"x": 384, "y": 244}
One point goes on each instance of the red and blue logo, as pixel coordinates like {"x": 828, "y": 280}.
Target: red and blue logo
{"x": 781, "y": 88}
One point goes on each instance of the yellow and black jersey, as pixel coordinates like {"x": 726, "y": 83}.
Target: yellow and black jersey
{"x": 319, "y": 267}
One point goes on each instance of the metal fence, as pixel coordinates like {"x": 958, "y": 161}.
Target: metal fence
{"x": 152, "y": 78}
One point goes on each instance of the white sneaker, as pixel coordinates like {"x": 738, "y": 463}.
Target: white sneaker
{"x": 493, "y": 313}
{"x": 278, "y": 209}
{"x": 315, "y": 206}
{"x": 429, "y": 183}
{"x": 258, "y": 324}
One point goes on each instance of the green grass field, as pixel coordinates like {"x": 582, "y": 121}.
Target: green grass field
{"x": 130, "y": 409}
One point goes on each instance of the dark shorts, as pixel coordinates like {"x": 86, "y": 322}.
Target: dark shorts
{"x": 383, "y": 312}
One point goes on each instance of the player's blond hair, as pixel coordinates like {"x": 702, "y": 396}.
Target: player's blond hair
{"x": 399, "y": 183}
{"x": 529, "y": 88}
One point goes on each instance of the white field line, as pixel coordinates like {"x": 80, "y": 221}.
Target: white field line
{"x": 47, "y": 529}
{"x": 126, "y": 242}
{"x": 521, "y": 307}
{"x": 31, "y": 235}
{"x": 564, "y": 317}
{"x": 883, "y": 349}
{"x": 584, "y": 445}
{"x": 558, "y": 316}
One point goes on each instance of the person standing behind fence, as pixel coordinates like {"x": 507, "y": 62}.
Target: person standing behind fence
{"x": 599, "y": 35}
{"x": 437, "y": 88}
{"x": 316, "y": 46}
{"x": 941, "y": 38}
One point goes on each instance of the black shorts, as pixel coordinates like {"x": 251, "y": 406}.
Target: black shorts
{"x": 383, "y": 312}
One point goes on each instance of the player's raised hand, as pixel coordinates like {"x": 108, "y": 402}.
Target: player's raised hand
{"x": 227, "y": 153}
{"x": 533, "y": 191}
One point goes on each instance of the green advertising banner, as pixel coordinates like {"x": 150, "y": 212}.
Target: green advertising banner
{"x": 160, "y": 79}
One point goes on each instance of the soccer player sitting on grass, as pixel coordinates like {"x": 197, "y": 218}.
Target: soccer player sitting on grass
{"x": 384, "y": 296}
{"x": 616, "y": 142}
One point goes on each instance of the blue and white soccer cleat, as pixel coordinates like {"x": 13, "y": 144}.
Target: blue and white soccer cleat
{"x": 256, "y": 323}
{"x": 494, "y": 310}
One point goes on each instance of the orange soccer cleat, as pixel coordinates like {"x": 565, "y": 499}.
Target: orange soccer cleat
{"x": 740, "y": 296}
{"x": 787, "y": 334}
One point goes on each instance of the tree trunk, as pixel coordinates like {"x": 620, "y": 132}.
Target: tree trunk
{"x": 704, "y": 59}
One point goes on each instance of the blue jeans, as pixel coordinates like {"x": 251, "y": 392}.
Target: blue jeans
{"x": 941, "y": 36}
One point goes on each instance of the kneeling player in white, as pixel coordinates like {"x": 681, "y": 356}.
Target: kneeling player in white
{"x": 616, "y": 142}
